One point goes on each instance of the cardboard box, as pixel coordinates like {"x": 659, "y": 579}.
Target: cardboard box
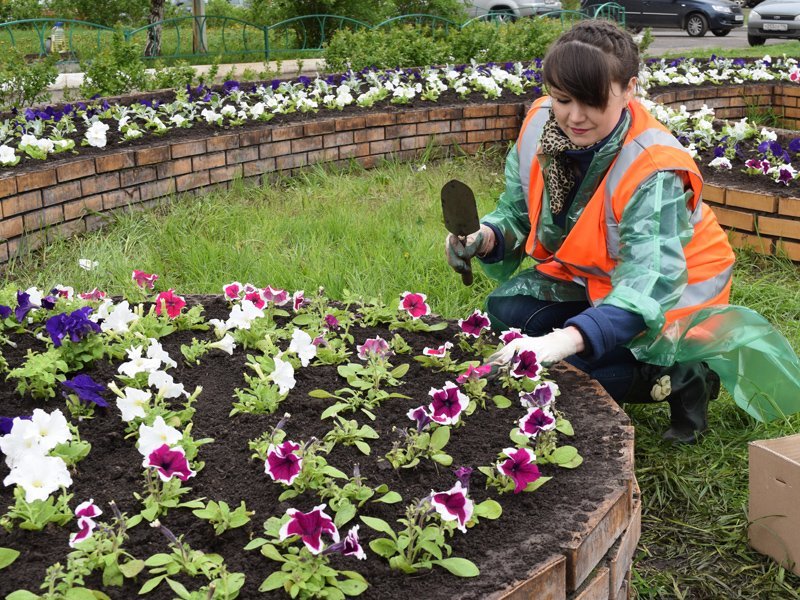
{"x": 775, "y": 499}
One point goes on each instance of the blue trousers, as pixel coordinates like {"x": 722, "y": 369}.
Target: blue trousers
{"x": 614, "y": 370}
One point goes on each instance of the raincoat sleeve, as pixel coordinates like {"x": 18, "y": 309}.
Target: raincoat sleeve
{"x": 651, "y": 272}
{"x": 511, "y": 219}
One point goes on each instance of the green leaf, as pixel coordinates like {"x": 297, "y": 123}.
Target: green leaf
{"x": 320, "y": 394}
{"x": 383, "y": 547}
{"x": 443, "y": 459}
{"x": 333, "y": 410}
{"x": 489, "y": 509}
{"x": 564, "y": 427}
{"x": 399, "y": 370}
{"x": 131, "y": 568}
{"x": 158, "y": 560}
{"x": 389, "y": 498}
{"x": 518, "y": 437}
{"x": 501, "y": 401}
{"x": 255, "y": 543}
{"x": 535, "y": 485}
{"x": 563, "y": 454}
{"x": 379, "y": 525}
{"x": 274, "y": 581}
{"x": 22, "y": 595}
{"x": 79, "y": 593}
{"x": 437, "y": 326}
{"x": 305, "y": 319}
{"x": 179, "y": 589}
{"x": 431, "y": 548}
{"x": 575, "y": 462}
{"x": 460, "y": 567}
{"x": 351, "y": 587}
{"x": 272, "y": 553}
{"x": 151, "y": 584}
{"x": 363, "y": 447}
{"x": 334, "y": 472}
{"x": 344, "y": 514}
{"x": 439, "y": 438}
{"x": 7, "y": 556}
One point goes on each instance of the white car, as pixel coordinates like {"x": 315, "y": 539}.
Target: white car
{"x": 511, "y": 8}
{"x": 774, "y": 19}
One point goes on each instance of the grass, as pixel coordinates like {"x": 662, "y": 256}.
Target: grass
{"x": 380, "y": 232}
{"x": 790, "y": 48}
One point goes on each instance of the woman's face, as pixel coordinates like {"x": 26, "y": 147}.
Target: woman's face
{"x": 586, "y": 125}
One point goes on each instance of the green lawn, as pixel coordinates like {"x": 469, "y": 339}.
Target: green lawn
{"x": 379, "y": 233}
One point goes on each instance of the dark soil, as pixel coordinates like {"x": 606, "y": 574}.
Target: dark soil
{"x": 532, "y": 527}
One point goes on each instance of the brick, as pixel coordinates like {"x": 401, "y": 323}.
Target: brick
{"x": 445, "y": 114}
{"x": 596, "y": 588}
{"x": 137, "y": 175}
{"x": 472, "y": 125}
{"x": 762, "y": 245}
{"x": 734, "y": 218}
{"x": 61, "y": 193}
{"x": 257, "y": 167}
{"x": 407, "y": 130}
{"x": 603, "y": 527}
{"x": 222, "y": 142}
{"x": 353, "y": 151}
{"x": 413, "y": 143}
{"x": 371, "y": 134}
{"x": 516, "y": 110}
{"x": 377, "y": 119}
{"x": 65, "y": 230}
{"x": 43, "y": 218}
{"x": 240, "y": 155}
{"x": 412, "y": 116}
{"x": 114, "y": 162}
{"x": 433, "y": 127}
{"x": 751, "y": 200}
{"x": 255, "y": 137}
{"x": 156, "y": 189}
{"x": 789, "y": 207}
{"x": 785, "y": 228}
{"x": 208, "y": 161}
{"x": 448, "y": 139}
{"x": 119, "y": 198}
{"x": 546, "y": 581}
{"x": 4, "y": 253}
{"x": 225, "y": 173}
{"x": 10, "y": 228}
{"x": 384, "y": 146}
{"x": 791, "y": 112}
{"x": 620, "y": 562}
{"x": 290, "y": 161}
{"x": 100, "y": 183}
{"x": 80, "y": 208}
{"x": 75, "y": 169}
{"x": 325, "y": 155}
{"x": 502, "y": 122}
{"x": 22, "y": 203}
{"x": 481, "y": 110}
{"x": 287, "y": 133}
{"x": 319, "y": 127}
{"x": 35, "y": 180}
{"x": 368, "y": 162}
{"x": 511, "y": 134}
{"x": 333, "y": 140}
{"x": 306, "y": 144}
{"x": 8, "y": 186}
{"x": 274, "y": 149}
{"x": 177, "y": 166}
{"x": 714, "y": 193}
{"x": 791, "y": 90}
{"x": 149, "y": 156}
{"x": 27, "y": 243}
{"x": 191, "y": 180}
{"x": 192, "y": 148}
{"x": 348, "y": 123}
{"x": 488, "y": 135}
{"x": 790, "y": 250}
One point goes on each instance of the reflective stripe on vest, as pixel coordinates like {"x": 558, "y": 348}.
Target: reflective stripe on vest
{"x": 698, "y": 293}
{"x": 528, "y": 144}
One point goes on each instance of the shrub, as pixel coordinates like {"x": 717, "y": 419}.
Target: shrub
{"x": 102, "y": 12}
{"x": 24, "y": 83}
{"x": 116, "y": 70}
{"x": 17, "y": 10}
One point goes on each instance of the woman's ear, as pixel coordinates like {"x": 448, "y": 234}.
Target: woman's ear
{"x": 630, "y": 90}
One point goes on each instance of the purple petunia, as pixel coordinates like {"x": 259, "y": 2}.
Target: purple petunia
{"x": 310, "y": 527}
{"x": 526, "y": 364}
{"x": 5, "y": 311}
{"x": 421, "y": 416}
{"x": 76, "y": 325}
{"x": 283, "y": 464}
{"x": 87, "y": 389}
{"x": 169, "y": 463}
{"x": 375, "y": 347}
{"x": 520, "y": 466}
{"x": 536, "y": 421}
{"x": 542, "y": 395}
{"x": 349, "y": 546}
{"x": 447, "y": 405}
{"x": 474, "y": 373}
{"x": 474, "y": 324}
{"x": 453, "y": 505}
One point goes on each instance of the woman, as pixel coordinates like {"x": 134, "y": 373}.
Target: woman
{"x": 608, "y": 203}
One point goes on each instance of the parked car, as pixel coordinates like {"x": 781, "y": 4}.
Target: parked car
{"x": 774, "y": 19}
{"x": 695, "y": 16}
{"x": 511, "y": 9}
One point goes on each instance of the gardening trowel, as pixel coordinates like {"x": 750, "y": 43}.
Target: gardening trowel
{"x": 460, "y": 215}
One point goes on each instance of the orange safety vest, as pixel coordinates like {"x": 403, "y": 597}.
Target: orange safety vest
{"x": 590, "y": 251}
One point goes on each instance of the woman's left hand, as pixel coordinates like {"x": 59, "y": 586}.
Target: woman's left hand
{"x": 549, "y": 348}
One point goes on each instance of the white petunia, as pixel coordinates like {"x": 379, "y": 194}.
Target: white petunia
{"x": 118, "y": 319}
{"x": 243, "y": 314}
{"x": 720, "y": 163}
{"x": 303, "y": 346}
{"x": 133, "y": 404}
{"x": 155, "y": 436}
{"x": 137, "y": 363}
{"x": 22, "y": 440}
{"x": 157, "y": 352}
{"x": 51, "y": 428}
{"x": 7, "y": 155}
{"x": 226, "y": 344}
{"x": 283, "y": 376}
{"x": 39, "y": 476}
{"x": 165, "y": 384}
{"x": 96, "y": 134}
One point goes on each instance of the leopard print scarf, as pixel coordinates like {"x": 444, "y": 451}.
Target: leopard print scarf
{"x": 560, "y": 179}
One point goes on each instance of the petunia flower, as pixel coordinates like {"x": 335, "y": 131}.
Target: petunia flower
{"x": 283, "y": 464}
{"x": 474, "y": 373}
{"x": 310, "y": 527}
{"x": 133, "y": 404}
{"x": 170, "y": 302}
{"x": 94, "y": 294}
{"x": 276, "y": 297}
{"x": 255, "y": 296}
{"x": 51, "y": 428}
{"x": 118, "y": 319}
{"x": 61, "y": 291}
{"x": 439, "y": 352}
{"x": 227, "y": 344}
{"x": 299, "y": 300}
{"x": 232, "y": 291}
{"x": 39, "y": 475}
{"x": 25, "y": 304}
{"x": 165, "y": 385}
{"x": 420, "y": 415}
{"x": 7, "y": 423}
{"x": 474, "y": 325}
{"x": 349, "y": 546}
{"x": 525, "y": 364}
{"x": 156, "y": 435}
{"x": 21, "y": 440}
{"x": 453, "y": 505}
{"x": 243, "y": 314}
{"x": 542, "y": 395}
{"x": 373, "y": 347}
{"x": 283, "y": 375}
{"x": 520, "y": 466}
{"x": 331, "y": 322}
{"x": 144, "y": 280}
{"x": 76, "y": 325}
{"x": 463, "y": 474}
{"x": 447, "y": 404}
{"x": 536, "y": 421}
{"x": 303, "y": 346}
{"x": 5, "y": 311}
{"x": 510, "y": 335}
{"x": 155, "y": 351}
{"x": 169, "y": 463}
{"x": 86, "y": 513}
{"x": 414, "y": 304}
{"x": 87, "y": 389}
{"x": 137, "y": 363}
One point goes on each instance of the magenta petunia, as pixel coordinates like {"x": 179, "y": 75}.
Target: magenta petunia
{"x": 542, "y": 395}
{"x": 420, "y": 415}
{"x": 170, "y": 302}
{"x": 331, "y": 322}
{"x": 349, "y": 546}
{"x": 256, "y": 297}
{"x": 283, "y": 463}
{"x": 536, "y": 421}
{"x": 232, "y": 291}
{"x": 474, "y": 373}
{"x": 510, "y": 335}
{"x": 86, "y": 526}
{"x": 447, "y": 404}
{"x": 453, "y": 505}
{"x": 519, "y": 466}
{"x": 373, "y": 347}
{"x": 525, "y": 364}
{"x": 439, "y": 352}
{"x": 95, "y": 294}
{"x": 474, "y": 325}
{"x": 299, "y": 300}
{"x": 414, "y": 304}
{"x": 464, "y": 474}
{"x": 144, "y": 280}
{"x": 276, "y": 297}
{"x": 169, "y": 462}
{"x": 310, "y": 527}
{"x": 88, "y": 509}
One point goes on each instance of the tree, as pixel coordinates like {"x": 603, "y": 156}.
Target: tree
{"x": 156, "y": 15}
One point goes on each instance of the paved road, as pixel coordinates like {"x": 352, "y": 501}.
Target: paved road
{"x": 676, "y": 40}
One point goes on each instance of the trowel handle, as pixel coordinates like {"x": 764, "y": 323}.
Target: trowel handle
{"x": 466, "y": 277}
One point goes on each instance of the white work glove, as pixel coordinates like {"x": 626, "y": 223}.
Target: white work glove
{"x": 479, "y": 243}
{"x": 549, "y": 348}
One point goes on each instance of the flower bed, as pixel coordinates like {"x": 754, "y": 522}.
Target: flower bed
{"x": 213, "y": 427}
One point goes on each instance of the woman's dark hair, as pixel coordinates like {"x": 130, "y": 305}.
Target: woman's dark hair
{"x": 584, "y": 61}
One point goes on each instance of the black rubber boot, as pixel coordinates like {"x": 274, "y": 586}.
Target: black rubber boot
{"x": 688, "y": 387}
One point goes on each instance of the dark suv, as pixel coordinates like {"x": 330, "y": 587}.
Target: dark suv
{"x": 695, "y": 16}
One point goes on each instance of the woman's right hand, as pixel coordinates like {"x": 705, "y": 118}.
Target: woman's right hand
{"x": 479, "y": 243}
